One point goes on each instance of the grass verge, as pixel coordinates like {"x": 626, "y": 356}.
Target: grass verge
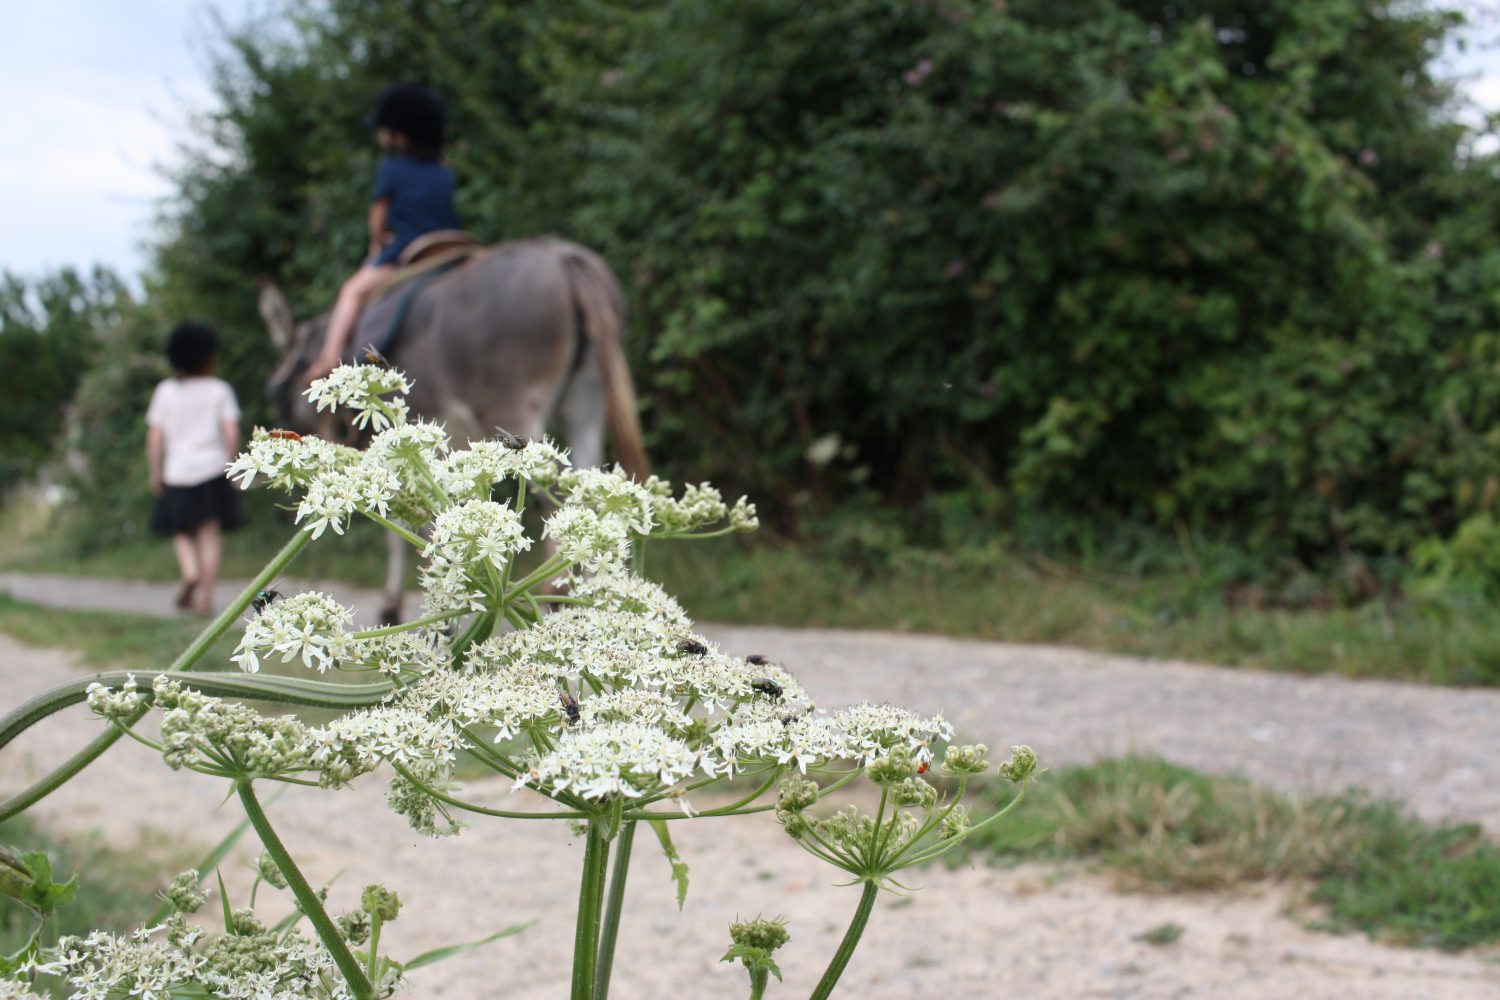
{"x": 107, "y": 639}
{"x": 1370, "y": 865}
{"x": 982, "y": 592}
{"x": 991, "y": 594}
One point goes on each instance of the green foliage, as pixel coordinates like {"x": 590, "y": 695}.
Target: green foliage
{"x": 48, "y": 333}
{"x": 1218, "y": 268}
{"x": 1372, "y": 865}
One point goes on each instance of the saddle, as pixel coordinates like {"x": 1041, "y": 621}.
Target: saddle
{"x": 427, "y": 258}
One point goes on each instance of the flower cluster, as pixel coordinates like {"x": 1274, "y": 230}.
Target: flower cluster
{"x": 310, "y": 627}
{"x": 361, "y": 388}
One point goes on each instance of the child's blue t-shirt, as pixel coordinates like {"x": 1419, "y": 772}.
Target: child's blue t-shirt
{"x": 421, "y": 200}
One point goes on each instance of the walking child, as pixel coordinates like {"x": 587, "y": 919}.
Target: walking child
{"x": 192, "y": 430}
{"x": 413, "y": 196}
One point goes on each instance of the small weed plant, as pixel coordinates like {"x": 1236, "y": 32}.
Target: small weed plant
{"x": 578, "y": 680}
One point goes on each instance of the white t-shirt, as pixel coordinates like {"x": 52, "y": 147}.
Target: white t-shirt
{"x": 191, "y": 413}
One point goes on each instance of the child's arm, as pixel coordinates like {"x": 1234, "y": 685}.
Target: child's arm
{"x": 380, "y": 211}
{"x": 154, "y": 454}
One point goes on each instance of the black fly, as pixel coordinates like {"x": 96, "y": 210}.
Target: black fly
{"x": 767, "y": 687}
{"x": 512, "y": 441}
{"x": 264, "y": 600}
{"x": 692, "y": 647}
{"x": 757, "y": 659}
{"x": 570, "y": 708}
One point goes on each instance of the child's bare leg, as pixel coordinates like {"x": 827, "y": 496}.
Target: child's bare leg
{"x": 187, "y": 566}
{"x": 360, "y": 286}
{"x": 210, "y": 547}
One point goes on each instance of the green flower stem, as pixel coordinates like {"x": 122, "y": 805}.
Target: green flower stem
{"x": 590, "y": 898}
{"x": 724, "y": 810}
{"x": 391, "y": 526}
{"x": 942, "y": 847}
{"x": 612, "y": 908}
{"x": 307, "y": 899}
{"x": 23, "y": 800}
{"x": 758, "y": 980}
{"x": 935, "y": 819}
{"x": 411, "y": 626}
{"x": 44, "y": 705}
{"x": 545, "y": 571}
{"x": 836, "y": 967}
{"x": 370, "y": 959}
{"x": 481, "y": 810}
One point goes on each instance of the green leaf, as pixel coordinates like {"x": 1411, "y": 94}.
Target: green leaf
{"x": 439, "y": 954}
{"x": 224, "y": 901}
{"x": 44, "y": 895}
{"x": 679, "y": 867}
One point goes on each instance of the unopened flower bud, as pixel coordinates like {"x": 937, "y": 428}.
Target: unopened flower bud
{"x": 243, "y": 922}
{"x": 955, "y": 823}
{"x": 265, "y": 865}
{"x": 893, "y": 768}
{"x": 797, "y": 824}
{"x": 914, "y": 792}
{"x": 969, "y": 759}
{"x": 760, "y": 933}
{"x": 378, "y": 901}
{"x": 1021, "y": 767}
{"x": 355, "y": 926}
{"x": 183, "y": 893}
{"x": 797, "y": 794}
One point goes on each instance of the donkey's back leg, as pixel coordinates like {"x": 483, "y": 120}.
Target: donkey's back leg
{"x": 395, "y": 578}
{"x": 581, "y": 412}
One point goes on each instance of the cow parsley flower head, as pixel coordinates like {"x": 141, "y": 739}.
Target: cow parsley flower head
{"x": 617, "y": 589}
{"x": 478, "y": 530}
{"x": 333, "y": 497}
{"x": 418, "y": 652}
{"x": 627, "y": 759}
{"x": 408, "y": 446}
{"x": 586, "y": 538}
{"x": 361, "y": 388}
{"x": 310, "y": 626}
{"x": 287, "y": 461}
{"x": 613, "y": 496}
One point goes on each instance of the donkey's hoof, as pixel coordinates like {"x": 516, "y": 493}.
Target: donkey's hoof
{"x": 389, "y": 617}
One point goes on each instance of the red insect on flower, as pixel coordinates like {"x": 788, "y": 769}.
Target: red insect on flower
{"x": 282, "y": 435}
{"x": 926, "y": 764}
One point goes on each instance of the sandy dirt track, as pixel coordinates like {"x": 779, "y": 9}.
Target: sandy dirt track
{"x": 1030, "y": 932}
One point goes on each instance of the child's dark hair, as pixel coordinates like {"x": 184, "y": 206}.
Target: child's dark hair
{"x": 191, "y": 347}
{"x": 417, "y": 112}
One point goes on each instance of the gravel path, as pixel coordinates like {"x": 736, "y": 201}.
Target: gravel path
{"x": 1029, "y": 932}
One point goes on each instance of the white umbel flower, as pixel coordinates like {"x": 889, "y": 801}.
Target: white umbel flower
{"x": 310, "y": 626}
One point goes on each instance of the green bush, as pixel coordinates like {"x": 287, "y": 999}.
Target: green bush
{"x": 1054, "y": 269}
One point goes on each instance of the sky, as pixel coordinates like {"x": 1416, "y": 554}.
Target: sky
{"x": 98, "y": 95}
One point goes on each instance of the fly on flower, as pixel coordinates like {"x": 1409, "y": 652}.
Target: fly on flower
{"x": 767, "y": 687}
{"x": 757, "y": 659}
{"x": 570, "y": 707}
{"x": 512, "y": 441}
{"x": 374, "y": 357}
{"x": 692, "y": 647}
{"x": 264, "y": 600}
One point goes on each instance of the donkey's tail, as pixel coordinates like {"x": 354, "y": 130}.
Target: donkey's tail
{"x": 601, "y": 306}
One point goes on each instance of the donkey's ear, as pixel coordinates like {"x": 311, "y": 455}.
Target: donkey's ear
{"x": 277, "y": 313}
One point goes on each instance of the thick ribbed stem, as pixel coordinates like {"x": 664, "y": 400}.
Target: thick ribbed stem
{"x": 613, "y": 905}
{"x": 307, "y": 899}
{"x": 590, "y": 901}
{"x": 841, "y": 957}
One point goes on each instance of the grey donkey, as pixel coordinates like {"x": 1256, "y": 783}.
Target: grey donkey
{"x": 519, "y": 333}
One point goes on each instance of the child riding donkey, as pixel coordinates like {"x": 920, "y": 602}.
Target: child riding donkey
{"x": 413, "y": 196}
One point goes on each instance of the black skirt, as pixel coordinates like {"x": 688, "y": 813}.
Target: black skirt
{"x": 181, "y": 509}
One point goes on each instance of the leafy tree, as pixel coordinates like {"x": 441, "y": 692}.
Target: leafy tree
{"x": 1215, "y": 267}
